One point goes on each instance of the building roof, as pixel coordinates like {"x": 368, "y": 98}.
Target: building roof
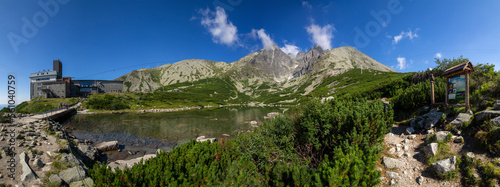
{"x": 459, "y": 69}
{"x": 43, "y": 73}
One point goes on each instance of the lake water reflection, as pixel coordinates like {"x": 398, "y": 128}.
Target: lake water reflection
{"x": 172, "y": 127}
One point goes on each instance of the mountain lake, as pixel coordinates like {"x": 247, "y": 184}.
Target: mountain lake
{"x": 144, "y": 133}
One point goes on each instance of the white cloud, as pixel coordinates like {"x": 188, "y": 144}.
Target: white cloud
{"x": 410, "y": 35}
{"x": 397, "y": 38}
{"x": 267, "y": 42}
{"x": 306, "y": 4}
{"x": 290, "y": 49}
{"x": 439, "y": 55}
{"x": 402, "y": 63}
{"x": 221, "y": 29}
{"x": 321, "y": 36}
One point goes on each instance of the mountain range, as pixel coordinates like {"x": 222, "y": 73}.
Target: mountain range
{"x": 267, "y": 71}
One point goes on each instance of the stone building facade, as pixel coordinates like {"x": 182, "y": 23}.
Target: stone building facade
{"x": 51, "y": 84}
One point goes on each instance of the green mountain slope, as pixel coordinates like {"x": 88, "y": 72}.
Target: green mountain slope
{"x": 266, "y": 76}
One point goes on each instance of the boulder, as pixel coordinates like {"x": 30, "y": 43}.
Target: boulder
{"x": 411, "y": 137}
{"x": 392, "y": 163}
{"x": 406, "y": 148}
{"x": 496, "y": 105}
{"x": 122, "y": 164}
{"x": 459, "y": 139}
{"x": 72, "y": 174}
{"x": 59, "y": 134}
{"x": 420, "y": 180}
{"x": 203, "y": 139}
{"x": 433, "y": 118}
{"x": 470, "y": 155}
{"x": 55, "y": 180}
{"x": 38, "y": 163}
{"x": 400, "y": 154}
{"x": 253, "y": 124}
{"x": 392, "y": 175}
{"x": 420, "y": 124}
{"x": 410, "y": 130}
{"x": 392, "y": 182}
{"x": 107, "y": 146}
{"x": 486, "y": 114}
{"x": 70, "y": 159}
{"x": 87, "y": 151}
{"x": 27, "y": 172}
{"x": 495, "y": 121}
{"x": 461, "y": 119}
{"x": 431, "y": 149}
{"x": 444, "y": 166}
{"x": 87, "y": 182}
{"x": 441, "y": 135}
{"x": 392, "y": 151}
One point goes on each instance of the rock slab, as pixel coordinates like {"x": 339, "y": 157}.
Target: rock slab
{"x": 107, "y": 146}
{"x": 72, "y": 174}
{"x": 87, "y": 151}
{"x": 495, "y": 121}
{"x": 27, "y": 172}
{"x": 461, "y": 119}
{"x": 441, "y": 135}
{"x": 444, "y": 166}
{"x": 486, "y": 114}
{"x": 497, "y": 105}
{"x": 55, "y": 179}
{"x": 433, "y": 118}
{"x": 87, "y": 182}
{"x": 431, "y": 149}
{"x": 392, "y": 163}
{"x": 392, "y": 175}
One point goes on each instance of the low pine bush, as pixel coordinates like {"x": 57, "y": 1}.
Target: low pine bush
{"x": 336, "y": 143}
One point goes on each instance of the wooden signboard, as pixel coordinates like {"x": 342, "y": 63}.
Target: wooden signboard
{"x": 457, "y": 83}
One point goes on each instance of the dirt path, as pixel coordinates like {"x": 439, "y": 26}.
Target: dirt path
{"x": 406, "y": 149}
{"x": 26, "y": 133}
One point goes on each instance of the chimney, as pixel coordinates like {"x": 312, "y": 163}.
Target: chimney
{"x": 57, "y": 66}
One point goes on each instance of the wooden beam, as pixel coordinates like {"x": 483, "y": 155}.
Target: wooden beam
{"x": 432, "y": 92}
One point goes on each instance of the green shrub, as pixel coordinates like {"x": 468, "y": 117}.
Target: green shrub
{"x": 488, "y": 140}
{"x": 448, "y": 137}
{"x": 418, "y": 95}
{"x": 467, "y": 169}
{"x": 490, "y": 172}
{"x": 335, "y": 143}
{"x": 105, "y": 102}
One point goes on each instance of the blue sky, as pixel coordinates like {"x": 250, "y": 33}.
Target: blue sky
{"x": 106, "y": 39}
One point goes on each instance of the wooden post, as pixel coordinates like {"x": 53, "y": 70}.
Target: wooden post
{"x": 467, "y": 91}
{"x": 432, "y": 93}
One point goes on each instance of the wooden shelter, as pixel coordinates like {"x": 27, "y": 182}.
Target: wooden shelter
{"x": 457, "y": 73}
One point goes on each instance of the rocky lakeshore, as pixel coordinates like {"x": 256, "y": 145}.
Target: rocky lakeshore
{"x": 37, "y": 151}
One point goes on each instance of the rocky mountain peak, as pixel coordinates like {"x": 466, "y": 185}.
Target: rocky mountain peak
{"x": 271, "y": 65}
{"x": 274, "y": 63}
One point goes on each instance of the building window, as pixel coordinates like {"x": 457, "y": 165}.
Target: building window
{"x": 39, "y": 84}
{"x": 39, "y": 88}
